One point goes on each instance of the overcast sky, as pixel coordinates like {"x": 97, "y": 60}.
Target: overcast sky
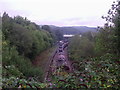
{"x": 59, "y": 12}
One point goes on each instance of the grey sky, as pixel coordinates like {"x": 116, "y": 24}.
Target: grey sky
{"x": 59, "y": 12}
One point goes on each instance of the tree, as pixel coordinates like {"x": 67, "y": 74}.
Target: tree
{"x": 7, "y": 23}
{"x": 59, "y": 35}
{"x": 46, "y": 27}
{"x": 113, "y": 20}
{"x": 116, "y": 21}
{"x": 81, "y": 47}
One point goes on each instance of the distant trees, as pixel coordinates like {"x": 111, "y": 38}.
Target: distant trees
{"x": 56, "y": 33}
{"x": 47, "y": 28}
{"x": 81, "y": 47}
{"x": 90, "y": 35}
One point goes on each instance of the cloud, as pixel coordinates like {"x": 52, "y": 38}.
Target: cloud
{"x": 58, "y": 12}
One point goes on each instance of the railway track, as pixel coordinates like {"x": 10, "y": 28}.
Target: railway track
{"x": 60, "y": 65}
{"x": 59, "y": 58}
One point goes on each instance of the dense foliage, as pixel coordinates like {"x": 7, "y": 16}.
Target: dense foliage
{"x": 25, "y": 35}
{"x": 22, "y": 41}
{"x": 98, "y": 58}
{"x": 80, "y": 47}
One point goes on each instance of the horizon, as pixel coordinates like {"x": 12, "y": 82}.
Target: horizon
{"x": 71, "y": 26}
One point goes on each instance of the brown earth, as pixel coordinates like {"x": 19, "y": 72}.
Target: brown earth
{"x": 42, "y": 60}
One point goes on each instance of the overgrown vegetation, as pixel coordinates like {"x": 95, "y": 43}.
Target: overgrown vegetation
{"x": 98, "y": 57}
{"x": 81, "y": 47}
{"x": 22, "y": 41}
{"x": 26, "y": 36}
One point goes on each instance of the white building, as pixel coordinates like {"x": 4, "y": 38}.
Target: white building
{"x": 69, "y": 35}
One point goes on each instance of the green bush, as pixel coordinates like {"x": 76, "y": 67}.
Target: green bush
{"x": 11, "y": 57}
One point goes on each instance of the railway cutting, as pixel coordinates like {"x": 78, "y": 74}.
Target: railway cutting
{"x": 59, "y": 60}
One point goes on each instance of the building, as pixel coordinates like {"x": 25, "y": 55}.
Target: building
{"x": 66, "y": 36}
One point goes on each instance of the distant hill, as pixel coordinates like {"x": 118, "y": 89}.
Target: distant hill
{"x": 85, "y": 28}
{"x": 73, "y": 29}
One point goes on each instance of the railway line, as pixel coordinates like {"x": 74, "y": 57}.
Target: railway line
{"x": 57, "y": 60}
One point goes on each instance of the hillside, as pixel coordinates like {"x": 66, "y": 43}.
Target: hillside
{"x": 73, "y": 29}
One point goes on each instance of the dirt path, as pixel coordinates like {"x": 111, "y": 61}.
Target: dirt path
{"x": 42, "y": 60}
